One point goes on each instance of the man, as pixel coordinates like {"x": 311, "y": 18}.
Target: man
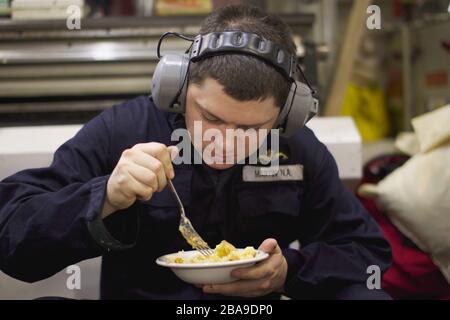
{"x": 104, "y": 194}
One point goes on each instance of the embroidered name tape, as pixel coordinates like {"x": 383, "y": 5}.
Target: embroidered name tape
{"x": 292, "y": 172}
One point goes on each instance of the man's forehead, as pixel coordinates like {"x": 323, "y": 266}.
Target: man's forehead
{"x": 211, "y": 98}
{"x": 238, "y": 113}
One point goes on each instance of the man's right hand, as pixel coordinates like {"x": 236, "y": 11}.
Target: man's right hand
{"x": 141, "y": 171}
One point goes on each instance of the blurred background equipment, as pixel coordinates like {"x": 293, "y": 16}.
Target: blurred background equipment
{"x": 49, "y": 74}
{"x": 5, "y": 9}
{"x": 182, "y": 7}
{"x": 353, "y": 34}
{"x": 43, "y": 9}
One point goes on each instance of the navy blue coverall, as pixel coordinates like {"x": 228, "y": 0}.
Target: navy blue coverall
{"x": 44, "y": 214}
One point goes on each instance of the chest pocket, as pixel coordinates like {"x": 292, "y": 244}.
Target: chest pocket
{"x": 269, "y": 209}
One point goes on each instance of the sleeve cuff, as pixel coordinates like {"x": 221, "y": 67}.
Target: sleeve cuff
{"x": 294, "y": 287}
{"x": 302, "y": 285}
{"x": 95, "y": 223}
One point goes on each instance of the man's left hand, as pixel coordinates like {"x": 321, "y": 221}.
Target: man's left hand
{"x": 265, "y": 277}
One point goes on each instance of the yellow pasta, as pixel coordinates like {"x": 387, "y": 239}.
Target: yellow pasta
{"x": 224, "y": 251}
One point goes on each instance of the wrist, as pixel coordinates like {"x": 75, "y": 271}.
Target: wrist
{"x": 107, "y": 209}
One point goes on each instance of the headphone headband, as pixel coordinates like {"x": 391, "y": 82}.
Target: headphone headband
{"x": 226, "y": 42}
{"x": 171, "y": 74}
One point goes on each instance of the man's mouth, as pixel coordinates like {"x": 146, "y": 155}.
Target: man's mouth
{"x": 225, "y": 156}
{"x": 222, "y": 157}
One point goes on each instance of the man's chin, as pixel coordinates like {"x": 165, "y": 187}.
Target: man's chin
{"x": 219, "y": 163}
{"x": 220, "y": 166}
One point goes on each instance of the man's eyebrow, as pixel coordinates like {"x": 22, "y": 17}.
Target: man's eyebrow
{"x": 204, "y": 110}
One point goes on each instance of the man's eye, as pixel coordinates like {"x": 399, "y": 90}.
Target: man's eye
{"x": 211, "y": 119}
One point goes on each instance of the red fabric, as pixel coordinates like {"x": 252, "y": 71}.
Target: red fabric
{"x": 412, "y": 274}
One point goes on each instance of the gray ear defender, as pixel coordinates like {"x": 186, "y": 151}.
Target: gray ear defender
{"x": 170, "y": 78}
{"x": 169, "y": 83}
{"x": 300, "y": 107}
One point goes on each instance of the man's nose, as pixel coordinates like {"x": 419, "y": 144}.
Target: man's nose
{"x": 227, "y": 131}
{"x": 227, "y": 135}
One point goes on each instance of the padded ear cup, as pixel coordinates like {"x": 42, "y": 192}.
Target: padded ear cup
{"x": 303, "y": 108}
{"x": 169, "y": 82}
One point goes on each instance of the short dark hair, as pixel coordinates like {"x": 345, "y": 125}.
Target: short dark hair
{"x": 245, "y": 77}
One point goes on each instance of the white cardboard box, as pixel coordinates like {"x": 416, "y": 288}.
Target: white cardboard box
{"x": 342, "y": 138}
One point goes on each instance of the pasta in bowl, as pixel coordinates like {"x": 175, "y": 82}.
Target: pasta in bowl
{"x": 193, "y": 267}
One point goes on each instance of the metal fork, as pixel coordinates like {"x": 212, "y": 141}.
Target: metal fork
{"x": 186, "y": 228}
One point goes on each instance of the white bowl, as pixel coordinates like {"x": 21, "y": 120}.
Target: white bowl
{"x": 209, "y": 272}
